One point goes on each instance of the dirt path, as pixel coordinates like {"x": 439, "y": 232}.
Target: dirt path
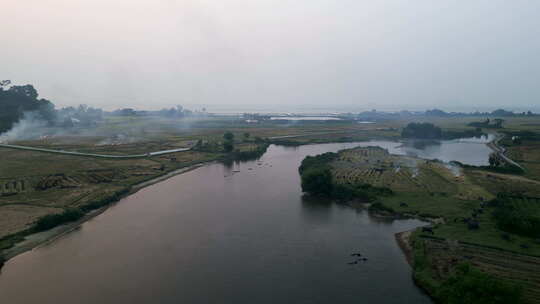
{"x": 494, "y": 145}
{"x": 94, "y": 154}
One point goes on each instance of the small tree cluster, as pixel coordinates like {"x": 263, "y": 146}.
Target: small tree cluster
{"x": 422, "y": 131}
{"x": 228, "y": 143}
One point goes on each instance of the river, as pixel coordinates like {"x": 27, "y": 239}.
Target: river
{"x": 216, "y": 235}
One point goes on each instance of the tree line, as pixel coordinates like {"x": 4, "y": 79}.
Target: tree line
{"x": 17, "y": 100}
{"x": 426, "y": 130}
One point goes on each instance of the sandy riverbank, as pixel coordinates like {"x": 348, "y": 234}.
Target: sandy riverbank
{"x": 403, "y": 240}
{"x": 36, "y": 240}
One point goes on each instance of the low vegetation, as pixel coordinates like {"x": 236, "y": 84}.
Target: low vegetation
{"x": 517, "y": 214}
{"x": 52, "y": 220}
{"x": 468, "y": 285}
{"x": 449, "y": 275}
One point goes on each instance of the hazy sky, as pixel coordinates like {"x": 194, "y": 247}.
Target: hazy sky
{"x": 275, "y": 54}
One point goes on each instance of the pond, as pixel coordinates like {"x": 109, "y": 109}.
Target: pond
{"x": 470, "y": 151}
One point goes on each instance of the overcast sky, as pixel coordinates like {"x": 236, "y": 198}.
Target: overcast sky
{"x": 275, "y": 54}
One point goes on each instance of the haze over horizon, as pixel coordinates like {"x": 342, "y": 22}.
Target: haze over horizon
{"x": 282, "y": 56}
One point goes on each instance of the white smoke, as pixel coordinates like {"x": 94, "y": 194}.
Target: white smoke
{"x": 29, "y": 127}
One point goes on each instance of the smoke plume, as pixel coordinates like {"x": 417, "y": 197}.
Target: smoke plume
{"x": 28, "y": 127}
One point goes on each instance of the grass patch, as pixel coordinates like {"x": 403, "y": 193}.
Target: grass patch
{"x": 430, "y": 206}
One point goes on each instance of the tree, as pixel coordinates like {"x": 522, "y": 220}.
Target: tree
{"x": 17, "y": 100}
{"x": 247, "y": 135}
{"x": 494, "y": 160}
{"x": 421, "y": 130}
{"x": 228, "y": 136}
{"x": 228, "y": 146}
{"x": 26, "y": 90}
{"x": 317, "y": 181}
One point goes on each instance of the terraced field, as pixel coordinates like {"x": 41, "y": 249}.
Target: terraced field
{"x": 33, "y": 184}
{"x": 375, "y": 166}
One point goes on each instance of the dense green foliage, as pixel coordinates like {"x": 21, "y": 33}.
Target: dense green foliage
{"x": 228, "y": 143}
{"x": 107, "y": 200}
{"x": 430, "y": 131}
{"x": 248, "y": 155}
{"x": 364, "y": 192}
{"x": 316, "y": 174}
{"x": 421, "y": 130}
{"x": 228, "y": 136}
{"x": 378, "y": 207}
{"x": 471, "y": 286}
{"x": 317, "y": 181}
{"x": 17, "y": 100}
{"x": 228, "y": 146}
{"x": 517, "y": 215}
{"x": 69, "y": 215}
{"x": 321, "y": 160}
{"x": 52, "y": 220}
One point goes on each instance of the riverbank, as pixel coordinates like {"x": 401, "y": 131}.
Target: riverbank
{"x": 38, "y": 239}
{"x": 28, "y": 239}
{"x": 403, "y": 241}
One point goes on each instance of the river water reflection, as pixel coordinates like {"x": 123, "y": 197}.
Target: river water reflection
{"x": 216, "y": 235}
